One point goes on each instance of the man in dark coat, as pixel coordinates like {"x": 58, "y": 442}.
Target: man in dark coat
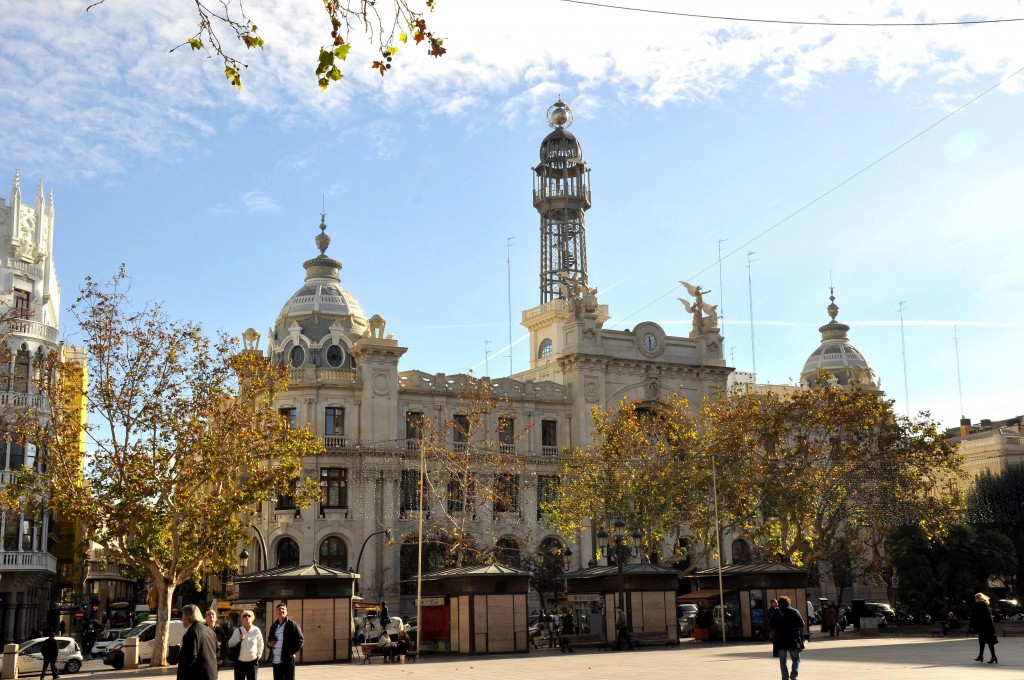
{"x": 198, "y": 657}
{"x": 788, "y": 628}
{"x": 49, "y": 651}
{"x": 284, "y": 639}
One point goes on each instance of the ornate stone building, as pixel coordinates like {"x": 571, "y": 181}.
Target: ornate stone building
{"x": 38, "y": 553}
{"x": 346, "y": 385}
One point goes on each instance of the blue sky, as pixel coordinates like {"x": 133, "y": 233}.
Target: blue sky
{"x": 695, "y": 130}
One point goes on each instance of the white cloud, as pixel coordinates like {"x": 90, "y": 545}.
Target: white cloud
{"x": 91, "y": 89}
{"x": 256, "y": 201}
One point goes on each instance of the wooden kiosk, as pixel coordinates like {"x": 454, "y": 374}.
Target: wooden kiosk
{"x": 487, "y": 608}
{"x": 748, "y": 588}
{"x": 319, "y": 599}
{"x": 650, "y": 597}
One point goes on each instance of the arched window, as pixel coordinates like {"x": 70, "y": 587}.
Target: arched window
{"x": 545, "y": 349}
{"x": 335, "y": 355}
{"x": 740, "y": 552}
{"x": 287, "y": 553}
{"x": 436, "y": 555}
{"x": 334, "y": 553}
{"x": 506, "y": 552}
{"x": 297, "y": 356}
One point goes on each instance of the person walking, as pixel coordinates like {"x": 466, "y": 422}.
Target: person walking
{"x": 218, "y": 632}
{"x": 198, "y": 657}
{"x": 249, "y": 641}
{"x": 788, "y": 627}
{"x": 829, "y": 620}
{"x": 985, "y": 627}
{"x": 49, "y": 651}
{"x": 621, "y": 629}
{"x": 284, "y": 640}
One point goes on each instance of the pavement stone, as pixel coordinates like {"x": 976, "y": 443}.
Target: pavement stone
{"x": 844, "y": 658}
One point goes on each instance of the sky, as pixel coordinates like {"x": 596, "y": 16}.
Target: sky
{"x": 885, "y": 161}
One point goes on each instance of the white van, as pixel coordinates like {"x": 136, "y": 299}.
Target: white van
{"x": 146, "y": 632}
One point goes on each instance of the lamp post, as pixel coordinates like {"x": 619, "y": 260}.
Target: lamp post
{"x": 621, "y": 550}
{"x": 359, "y": 559}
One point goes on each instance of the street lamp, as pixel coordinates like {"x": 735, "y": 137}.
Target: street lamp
{"x": 390, "y": 538}
{"x": 622, "y": 551}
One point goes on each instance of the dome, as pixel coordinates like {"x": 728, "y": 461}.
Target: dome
{"x": 837, "y": 356}
{"x": 321, "y": 320}
{"x": 560, "y": 148}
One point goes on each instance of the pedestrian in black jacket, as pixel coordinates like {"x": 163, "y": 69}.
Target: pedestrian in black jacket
{"x": 49, "y": 651}
{"x": 284, "y": 640}
{"x": 198, "y": 657}
{"x": 788, "y": 627}
{"x": 982, "y": 624}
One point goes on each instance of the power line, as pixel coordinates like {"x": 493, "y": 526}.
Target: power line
{"x": 866, "y": 24}
{"x": 846, "y": 181}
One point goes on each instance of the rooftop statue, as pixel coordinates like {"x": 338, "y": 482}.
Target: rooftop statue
{"x": 699, "y": 308}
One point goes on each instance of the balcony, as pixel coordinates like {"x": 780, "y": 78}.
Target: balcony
{"x": 28, "y": 561}
{"x": 334, "y": 441}
{"x": 34, "y": 329}
{"x": 21, "y": 399}
{"x": 549, "y": 450}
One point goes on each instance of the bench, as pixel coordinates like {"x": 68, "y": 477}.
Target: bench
{"x": 585, "y": 640}
{"x": 366, "y": 649}
{"x": 651, "y": 638}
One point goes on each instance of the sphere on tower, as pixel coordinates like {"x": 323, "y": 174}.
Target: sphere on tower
{"x": 559, "y": 114}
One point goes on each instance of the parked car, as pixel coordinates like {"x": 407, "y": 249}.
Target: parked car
{"x": 105, "y": 640}
{"x": 882, "y": 608}
{"x": 146, "y": 632}
{"x": 30, "y": 657}
{"x": 686, "y": 615}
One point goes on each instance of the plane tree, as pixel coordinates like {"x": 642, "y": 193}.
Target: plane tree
{"x": 820, "y": 475}
{"x": 639, "y": 469}
{"x": 180, "y": 438}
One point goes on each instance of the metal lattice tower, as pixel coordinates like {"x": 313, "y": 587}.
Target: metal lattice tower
{"x": 561, "y": 194}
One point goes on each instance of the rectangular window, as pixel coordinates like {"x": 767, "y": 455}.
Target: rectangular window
{"x": 286, "y": 501}
{"x": 413, "y": 430}
{"x": 409, "y": 490}
{"x": 291, "y": 414}
{"x": 547, "y": 486}
{"x": 22, "y": 310}
{"x": 461, "y": 490}
{"x": 506, "y": 493}
{"x": 506, "y": 434}
{"x": 460, "y": 432}
{"x": 334, "y": 427}
{"x": 549, "y": 437}
{"x": 334, "y": 487}
{"x": 17, "y": 458}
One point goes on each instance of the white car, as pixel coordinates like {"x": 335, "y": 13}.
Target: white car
{"x": 30, "y": 657}
{"x": 368, "y": 628}
{"x": 105, "y": 639}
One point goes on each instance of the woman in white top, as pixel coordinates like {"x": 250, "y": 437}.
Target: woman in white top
{"x": 249, "y": 641}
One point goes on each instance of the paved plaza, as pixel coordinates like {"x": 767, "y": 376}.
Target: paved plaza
{"x": 846, "y": 658}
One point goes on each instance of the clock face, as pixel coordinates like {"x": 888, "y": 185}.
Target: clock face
{"x": 650, "y": 342}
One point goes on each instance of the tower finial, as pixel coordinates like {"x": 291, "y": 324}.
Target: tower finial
{"x": 322, "y": 239}
{"x": 16, "y": 186}
{"x": 833, "y": 308}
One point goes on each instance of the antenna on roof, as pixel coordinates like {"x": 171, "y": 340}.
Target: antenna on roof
{"x": 959, "y": 385}
{"x": 903, "y": 341}
{"x": 721, "y": 288}
{"x": 750, "y": 294}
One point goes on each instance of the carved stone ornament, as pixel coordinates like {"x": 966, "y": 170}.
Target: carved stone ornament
{"x": 591, "y": 392}
{"x": 381, "y": 384}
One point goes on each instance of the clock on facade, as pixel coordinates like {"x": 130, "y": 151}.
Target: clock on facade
{"x": 649, "y": 342}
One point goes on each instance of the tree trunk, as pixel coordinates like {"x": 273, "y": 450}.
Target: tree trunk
{"x": 165, "y": 595}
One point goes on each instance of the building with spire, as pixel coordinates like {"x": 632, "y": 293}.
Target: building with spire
{"x": 39, "y": 560}
{"x": 346, "y": 385}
